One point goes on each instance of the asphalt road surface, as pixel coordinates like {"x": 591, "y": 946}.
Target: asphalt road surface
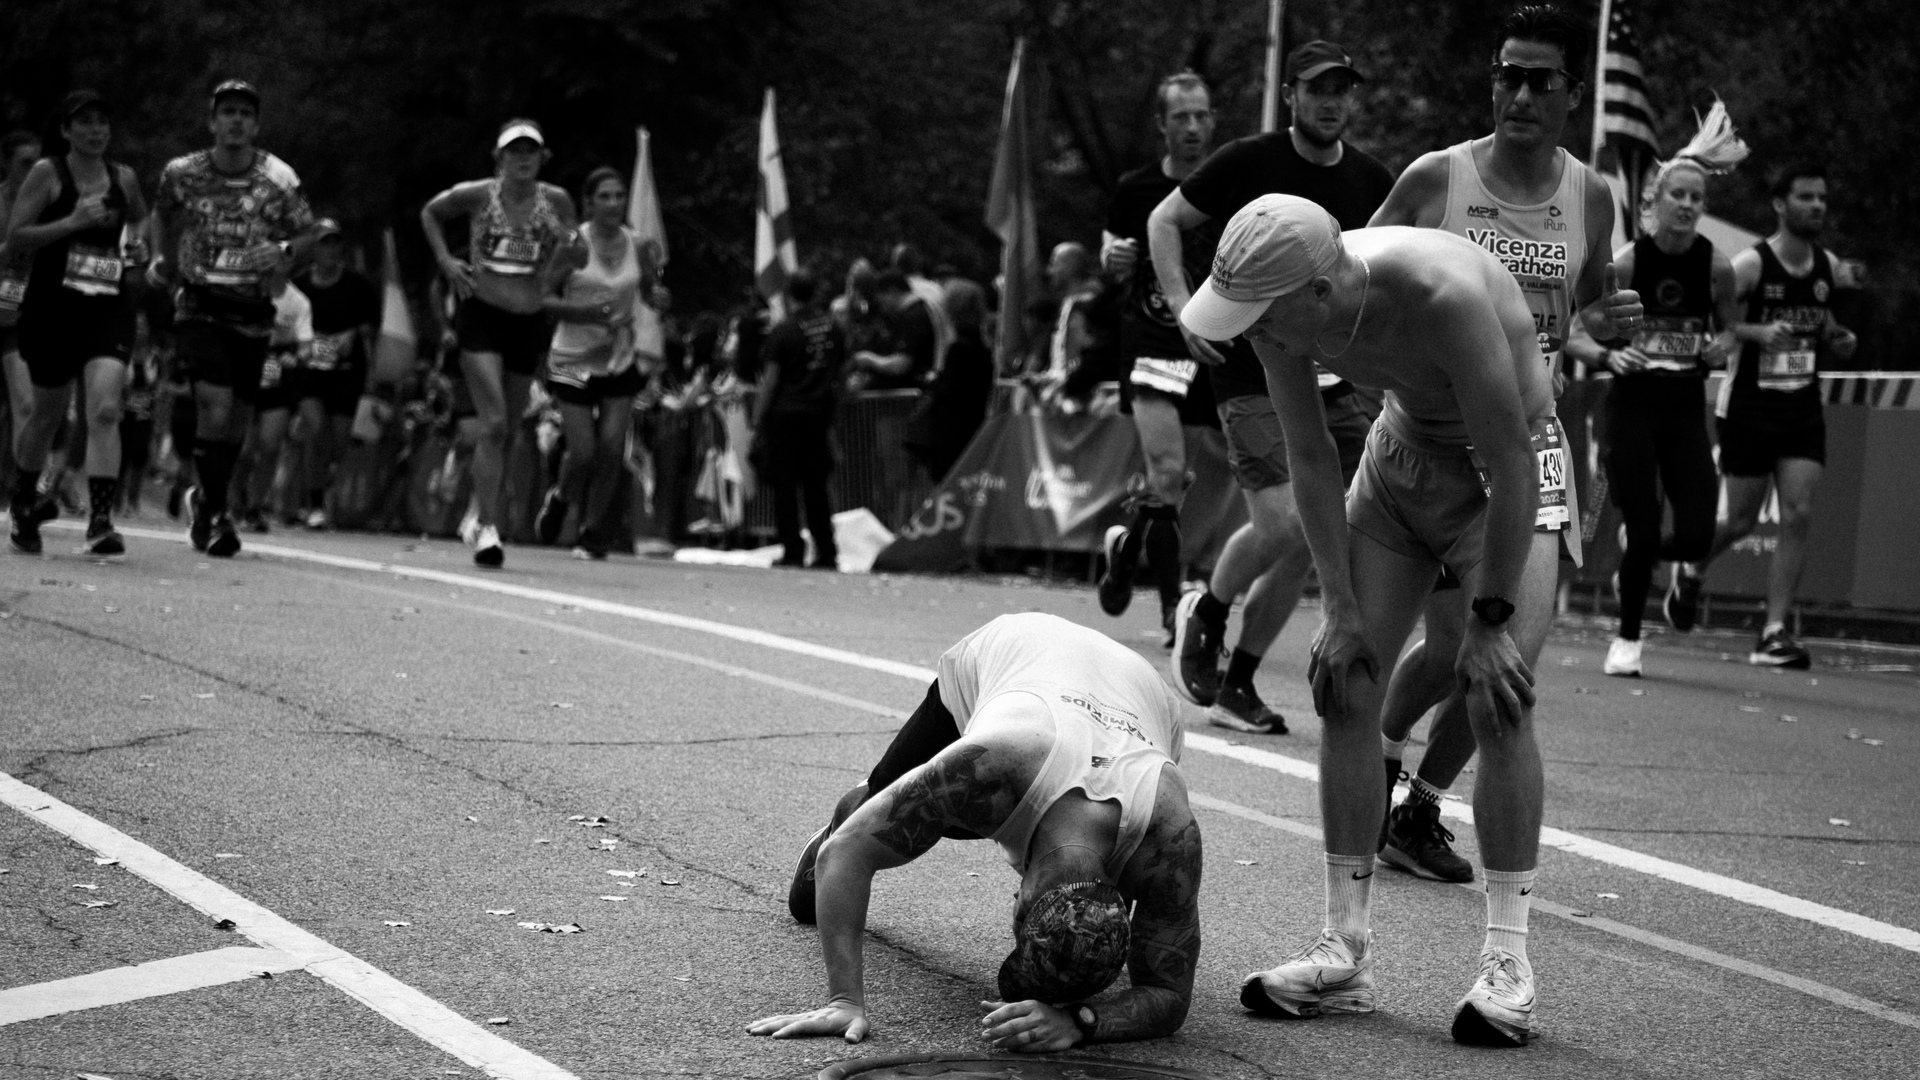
{"x": 376, "y": 762}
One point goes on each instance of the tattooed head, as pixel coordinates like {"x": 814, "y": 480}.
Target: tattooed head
{"x": 1069, "y": 944}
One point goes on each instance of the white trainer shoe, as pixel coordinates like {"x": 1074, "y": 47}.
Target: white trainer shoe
{"x": 1498, "y": 1011}
{"x": 1331, "y": 974}
{"x": 1623, "y": 658}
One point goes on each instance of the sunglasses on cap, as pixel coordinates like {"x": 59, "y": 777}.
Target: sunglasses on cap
{"x": 1540, "y": 80}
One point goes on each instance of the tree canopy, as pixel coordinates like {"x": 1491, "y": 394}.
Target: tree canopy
{"x": 889, "y": 112}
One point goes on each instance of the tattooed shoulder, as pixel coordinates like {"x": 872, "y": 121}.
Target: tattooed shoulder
{"x": 962, "y": 787}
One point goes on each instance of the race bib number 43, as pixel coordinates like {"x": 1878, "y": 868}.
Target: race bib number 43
{"x": 1550, "y": 457}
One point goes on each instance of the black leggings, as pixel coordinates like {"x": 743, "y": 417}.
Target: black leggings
{"x": 1657, "y": 440}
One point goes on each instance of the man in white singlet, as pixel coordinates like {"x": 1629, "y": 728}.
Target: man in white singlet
{"x": 1062, "y": 747}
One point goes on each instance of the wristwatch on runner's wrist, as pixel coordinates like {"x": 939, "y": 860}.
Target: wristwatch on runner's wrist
{"x": 1493, "y": 610}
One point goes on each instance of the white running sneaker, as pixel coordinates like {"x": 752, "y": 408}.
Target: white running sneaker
{"x": 1498, "y": 1011}
{"x": 1623, "y": 658}
{"x": 1332, "y": 974}
{"x": 486, "y": 548}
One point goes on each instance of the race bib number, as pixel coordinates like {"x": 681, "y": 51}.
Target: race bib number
{"x": 232, "y": 266}
{"x": 330, "y": 349}
{"x": 1671, "y": 344}
{"x": 512, "y": 255}
{"x": 271, "y": 371}
{"x": 93, "y": 271}
{"x": 12, "y": 291}
{"x": 1550, "y": 457}
{"x": 1788, "y": 369}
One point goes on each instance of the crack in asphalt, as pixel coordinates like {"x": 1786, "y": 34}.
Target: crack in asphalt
{"x": 353, "y": 729}
{"x": 74, "y": 937}
{"x": 32, "y": 767}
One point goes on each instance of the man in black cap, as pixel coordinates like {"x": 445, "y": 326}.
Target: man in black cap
{"x": 1061, "y": 746}
{"x": 328, "y": 387}
{"x": 1267, "y": 559}
{"x": 232, "y": 220}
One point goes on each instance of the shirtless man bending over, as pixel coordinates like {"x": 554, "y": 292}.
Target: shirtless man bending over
{"x": 1442, "y": 326}
{"x": 1061, "y": 746}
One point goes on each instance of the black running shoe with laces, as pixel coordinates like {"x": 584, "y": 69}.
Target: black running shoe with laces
{"x": 103, "y": 539}
{"x": 1778, "y": 649}
{"x": 223, "y": 539}
{"x": 1115, "y": 588}
{"x": 1682, "y": 605}
{"x": 1418, "y": 844}
{"x": 1239, "y": 708}
{"x": 1197, "y": 645}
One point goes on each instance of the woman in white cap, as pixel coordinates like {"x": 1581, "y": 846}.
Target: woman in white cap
{"x": 517, "y": 222}
{"x": 592, "y": 371}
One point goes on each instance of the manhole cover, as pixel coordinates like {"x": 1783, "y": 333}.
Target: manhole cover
{"x": 974, "y": 1066}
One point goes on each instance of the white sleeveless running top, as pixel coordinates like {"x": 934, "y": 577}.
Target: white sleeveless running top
{"x": 1115, "y": 721}
{"x": 1543, "y": 245}
{"x": 598, "y": 282}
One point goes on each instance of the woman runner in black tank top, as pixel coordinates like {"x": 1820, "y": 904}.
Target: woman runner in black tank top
{"x": 76, "y": 320}
{"x": 1656, "y": 424}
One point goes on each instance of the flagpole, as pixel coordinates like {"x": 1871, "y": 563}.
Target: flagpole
{"x": 1270, "y": 102}
{"x": 1599, "y": 89}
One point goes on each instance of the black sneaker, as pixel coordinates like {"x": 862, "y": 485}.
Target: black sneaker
{"x": 24, "y": 532}
{"x": 1195, "y": 662}
{"x": 1778, "y": 649}
{"x": 1116, "y": 579}
{"x": 800, "y": 895}
{"x": 1417, "y": 843}
{"x": 553, "y": 514}
{"x": 224, "y": 539}
{"x": 1682, "y": 605}
{"x": 103, "y": 539}
{"x": 1239, "y": 708}
{"x": 199, "y": 523}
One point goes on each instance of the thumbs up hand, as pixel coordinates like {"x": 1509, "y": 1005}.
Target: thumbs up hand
{"x": 1620, "y": 306}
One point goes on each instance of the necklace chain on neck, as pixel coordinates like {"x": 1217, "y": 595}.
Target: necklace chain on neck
{"x": 1365, "y": 289}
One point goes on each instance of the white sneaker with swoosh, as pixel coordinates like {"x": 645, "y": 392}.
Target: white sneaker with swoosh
{"x": 1498, "y": 1011}
{"x": 1331, "y": 974}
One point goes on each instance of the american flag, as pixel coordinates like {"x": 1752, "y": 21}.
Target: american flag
{"x": 1624, "y": 122}
{"x": 774, "y": 254}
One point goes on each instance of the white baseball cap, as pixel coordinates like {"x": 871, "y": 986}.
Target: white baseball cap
{"x": 519, "y": 129}
{"x": 1274, "y": 245}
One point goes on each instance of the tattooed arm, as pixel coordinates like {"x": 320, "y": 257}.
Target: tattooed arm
{"x": 1164, "y": 879}
{"x": 969, "y": 786}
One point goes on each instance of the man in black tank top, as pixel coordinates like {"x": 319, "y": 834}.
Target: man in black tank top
{"x": 76, "y": 320}
{"x": 1771, "y": 427}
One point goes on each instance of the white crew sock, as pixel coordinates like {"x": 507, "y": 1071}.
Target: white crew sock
{"x": 1349, "y": 895}
{"x": 1509, "y": 899}
{"x": 1773, "y": 628}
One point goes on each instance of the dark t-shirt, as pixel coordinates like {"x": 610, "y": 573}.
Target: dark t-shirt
{"x": 808, "y": 350}
{"x": 1148, "y": 327}
{"x": 911, "y": 331}
{"x": 1245, "y": 169}
{"x": 340, "y": 310}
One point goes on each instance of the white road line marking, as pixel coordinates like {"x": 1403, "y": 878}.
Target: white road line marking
{"x": 1717, "y": 884}
{"x": 1612, "y": 854}
{"x": 154, "y": 978}
{"x": 429, "y": 1019}
{"x": 1832, "y": 994}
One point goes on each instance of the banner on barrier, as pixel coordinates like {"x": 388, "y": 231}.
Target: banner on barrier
{"x": 1028, "y": 481}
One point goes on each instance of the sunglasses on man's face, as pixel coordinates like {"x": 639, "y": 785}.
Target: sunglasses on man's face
{"x": 1540, "y": 80}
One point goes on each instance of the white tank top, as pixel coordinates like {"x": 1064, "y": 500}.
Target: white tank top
{"x": 1115, "y": 722}
{"x": 1543, "y": 245}
{"x": 599, "y": 282}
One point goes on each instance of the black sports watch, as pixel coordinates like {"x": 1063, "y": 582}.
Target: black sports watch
{"x": 1493, "y": 610}
{"x": 1085, "y": 1019}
